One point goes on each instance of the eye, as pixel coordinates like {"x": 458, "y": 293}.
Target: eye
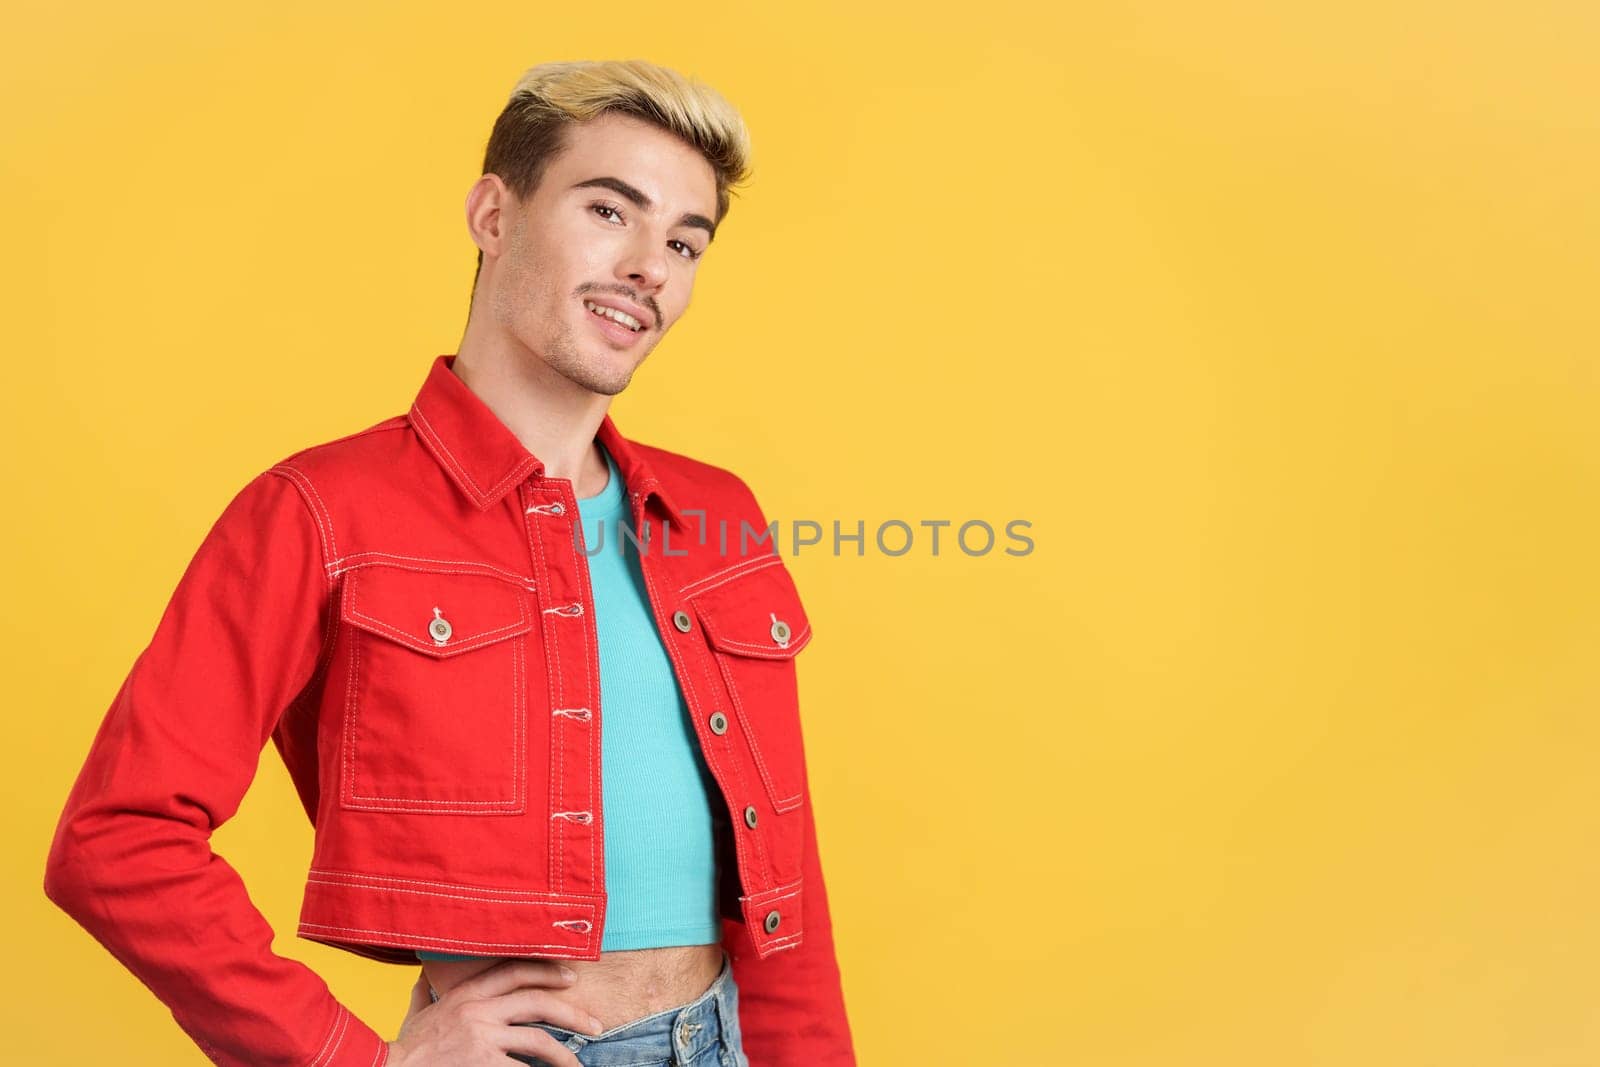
{"x": 689, "y": 252}
{"x": 610, "y": 212}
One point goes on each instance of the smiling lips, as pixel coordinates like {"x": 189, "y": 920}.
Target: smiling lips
{"x": 615, "y": 314}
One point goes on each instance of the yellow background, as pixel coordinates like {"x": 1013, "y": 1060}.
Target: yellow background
{"x": 1277, "y": 321}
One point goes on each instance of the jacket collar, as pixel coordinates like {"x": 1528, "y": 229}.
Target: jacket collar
{"x": 486, "y": 460}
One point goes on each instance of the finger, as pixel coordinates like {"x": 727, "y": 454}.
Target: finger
{"x": 419, "y": 994}
{"x": 539, "y": 1006}
{"x": 515, "y": 974}
{"x": 532, "y": 1041}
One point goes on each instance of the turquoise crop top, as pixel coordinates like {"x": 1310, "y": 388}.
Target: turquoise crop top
{"x": 656, "y": 790}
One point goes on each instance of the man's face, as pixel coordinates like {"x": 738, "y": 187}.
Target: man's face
{"x": 581, "y": 238}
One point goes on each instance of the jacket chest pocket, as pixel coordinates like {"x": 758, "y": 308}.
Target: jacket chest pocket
{"x": 755, "y": 625}
{"x": 435, "y": 702}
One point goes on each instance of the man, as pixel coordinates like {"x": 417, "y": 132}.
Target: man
{"x": 431, "y": 621}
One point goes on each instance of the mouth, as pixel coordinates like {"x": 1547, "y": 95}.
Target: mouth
{"x": 616, "y": 324}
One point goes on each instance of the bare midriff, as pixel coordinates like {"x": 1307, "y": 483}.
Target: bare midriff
{"x": 617, "y": 988}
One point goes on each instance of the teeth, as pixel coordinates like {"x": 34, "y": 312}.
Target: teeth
{"x": 616, "y": 316}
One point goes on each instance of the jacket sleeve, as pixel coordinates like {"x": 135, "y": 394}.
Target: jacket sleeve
{"x": 791, "y": 1004}
{"x": 131, "y": 861}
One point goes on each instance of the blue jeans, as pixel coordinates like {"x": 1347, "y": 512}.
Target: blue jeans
{"x": 702, "y": 1033}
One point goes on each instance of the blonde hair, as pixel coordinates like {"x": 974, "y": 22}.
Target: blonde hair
{"x": 550, "y": 98}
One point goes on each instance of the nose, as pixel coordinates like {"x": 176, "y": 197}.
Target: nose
{"x": 644, "y": 263}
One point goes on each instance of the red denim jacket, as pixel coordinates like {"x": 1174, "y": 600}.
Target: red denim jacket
{"x": 406, "y": 613}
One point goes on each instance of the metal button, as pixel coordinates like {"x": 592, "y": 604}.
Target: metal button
{"x": 719, "y": 723}
{"x": 750, "y": 816}
{"x": 780, "y": 631}
{"x": 680, "y": 619}
{"x": 772, "y": 921}
{"x": 440, "y": 628}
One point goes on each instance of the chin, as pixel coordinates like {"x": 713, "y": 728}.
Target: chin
{"x": 612, "y": 371}
{"x": 607, "y": 387}
{"x": 605, "y": 381}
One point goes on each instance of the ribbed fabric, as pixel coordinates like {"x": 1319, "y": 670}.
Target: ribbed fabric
{"x": 656, "y": 790}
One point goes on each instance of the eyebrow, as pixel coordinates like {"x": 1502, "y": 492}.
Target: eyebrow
{"x": 644, "y": 203}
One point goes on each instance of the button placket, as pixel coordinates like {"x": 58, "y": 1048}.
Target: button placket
{"x": 556, "y": 549}
{"x": 719, "y": 721}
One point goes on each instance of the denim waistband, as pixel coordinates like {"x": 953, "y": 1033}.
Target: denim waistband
{"x": 673, "y": 1035}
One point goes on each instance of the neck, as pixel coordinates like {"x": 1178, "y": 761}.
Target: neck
{"x": 554, "y": 418}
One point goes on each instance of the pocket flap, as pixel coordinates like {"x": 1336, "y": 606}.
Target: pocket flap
{"x": 438, "y": 614}
{"x": 755, "y": 613}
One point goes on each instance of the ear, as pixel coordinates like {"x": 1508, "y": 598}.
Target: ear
{"x": 490, "y": 204}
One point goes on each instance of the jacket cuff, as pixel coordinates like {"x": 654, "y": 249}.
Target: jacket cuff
{"x": 351, "y": 1043}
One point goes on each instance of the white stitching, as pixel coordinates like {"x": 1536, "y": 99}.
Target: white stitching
{"x": 443, "y": 566}
{"x": 761, "y": 900}
{"x": 591, "y": 656}
{"x": 777, "y": 943}
{"x": 341, "y": 1019}
{"x": 556, "y": 681}
{"x": 355, "y": 800}
{"x": 484, "y": 499}
{"x": 395, "y": 804}
{"x": 519, "y": 730}
{"x": 554, "y": 897}
{"x": 349, "y": 791}
{"x": 552, "y": 658}
{"x": 783, "y": 804}
{"x": 558, "y": 783}
{"x": 571, "y": 950}
{"x": 319, "y": 510}
{"x": 463, "y": 645}
{"x": 329, "y": 617}
{"x": 750, "y": 564}
{"x": 450, "y": 457}
{"x": 482, "y": 899}
{"x": 789, "y": 651}
{"x": 338, "y": 1010}
{"x": 764, "y": 901}
{"x": 477, "y": 640}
